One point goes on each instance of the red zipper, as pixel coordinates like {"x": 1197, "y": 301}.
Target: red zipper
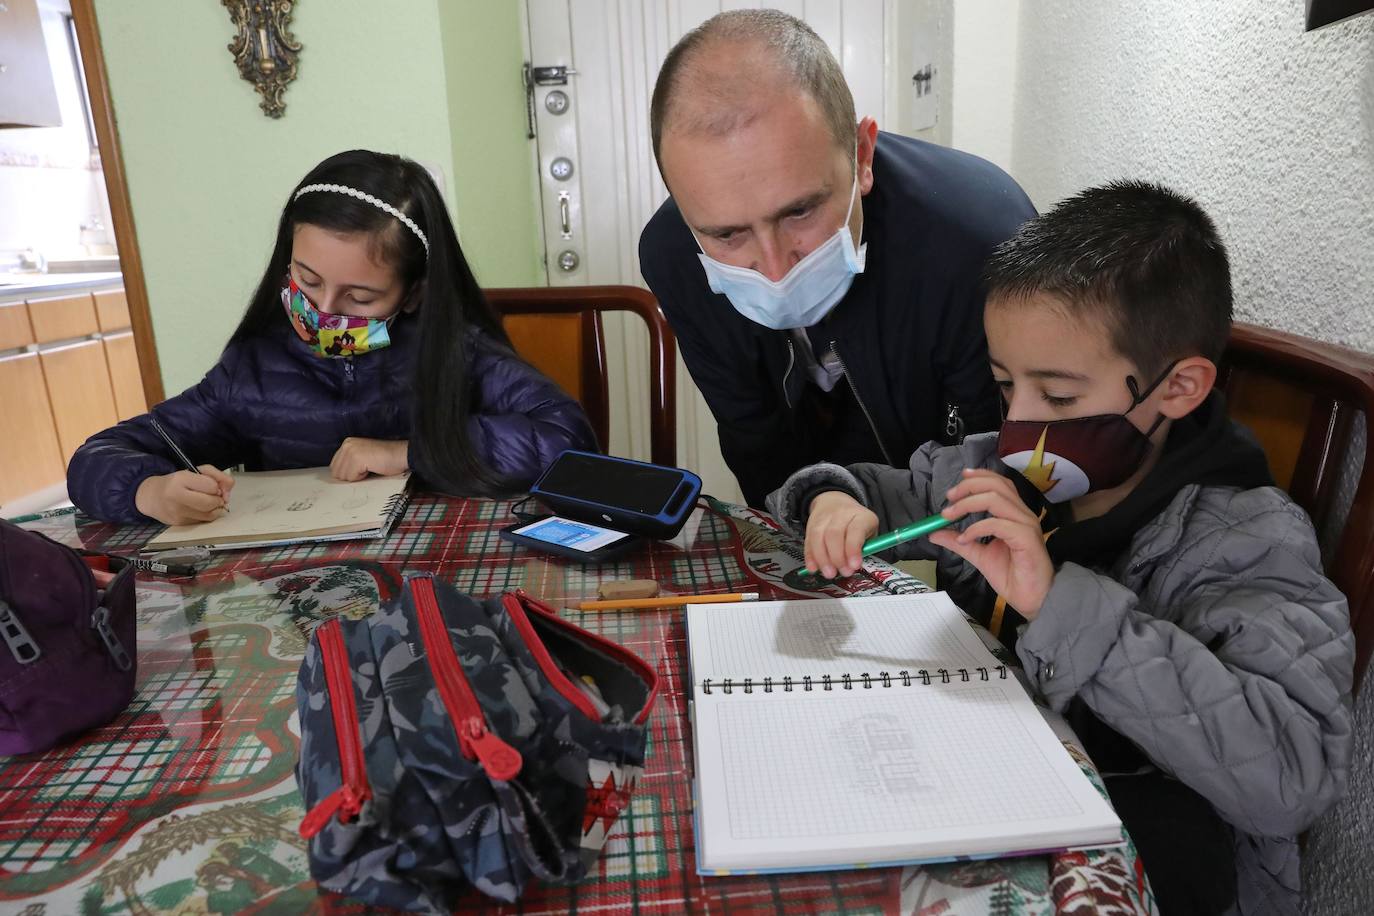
{"x": 499, "y": 759}
{"x": 520, "y": 604}
{"x": 347, "y": 800}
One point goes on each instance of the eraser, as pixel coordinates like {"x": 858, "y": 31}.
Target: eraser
{"x": 627, "y": 588}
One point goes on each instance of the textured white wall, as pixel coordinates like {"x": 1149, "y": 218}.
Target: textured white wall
{"x": 984, "y": 81}
{"x": 1271, "y": 128}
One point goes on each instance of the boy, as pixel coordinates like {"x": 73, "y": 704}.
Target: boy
{"x": 1156, "y": 586}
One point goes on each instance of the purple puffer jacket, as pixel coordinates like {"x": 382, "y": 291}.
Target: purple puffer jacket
{"x": 270, "y": 403}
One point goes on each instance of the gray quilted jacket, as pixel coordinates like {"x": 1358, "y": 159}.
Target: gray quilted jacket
{"x": 1214, "y": 643}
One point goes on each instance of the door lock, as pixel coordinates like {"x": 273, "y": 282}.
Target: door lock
{"x": 561, "y": 168}
{"x": 568, "y": 261}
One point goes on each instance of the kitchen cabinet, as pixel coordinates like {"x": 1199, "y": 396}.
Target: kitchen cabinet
{"x": 30, "y": 457}
{"x": 125, "y": 381}
{"x": 78, "y": 380}
{"x": 68, "y": 369}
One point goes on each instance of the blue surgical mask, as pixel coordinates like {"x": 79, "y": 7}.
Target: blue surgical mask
{"x": 808, "y": 292}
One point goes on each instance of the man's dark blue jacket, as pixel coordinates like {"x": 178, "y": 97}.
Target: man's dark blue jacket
{"x": 909, "y": 331}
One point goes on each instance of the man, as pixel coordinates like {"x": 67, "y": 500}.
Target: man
{"x": 822, "y": 279}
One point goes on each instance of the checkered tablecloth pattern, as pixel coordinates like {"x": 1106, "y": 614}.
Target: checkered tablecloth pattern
{"x": 186, "y": 803}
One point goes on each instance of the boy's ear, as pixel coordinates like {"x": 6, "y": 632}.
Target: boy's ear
{"x": 1188, "y": 384}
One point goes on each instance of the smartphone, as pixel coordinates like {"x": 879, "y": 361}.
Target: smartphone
{"x": 567, "y": 538}
{"x": 653, "y": 500}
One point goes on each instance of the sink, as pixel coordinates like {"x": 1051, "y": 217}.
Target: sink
{"x": 89, "y": 265}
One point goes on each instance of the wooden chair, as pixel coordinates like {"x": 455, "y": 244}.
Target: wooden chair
{"x": 1301, "y": 397}
{"x": 559, "y": 330}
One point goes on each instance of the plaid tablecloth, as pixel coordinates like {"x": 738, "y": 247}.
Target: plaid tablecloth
{"x": 186, "y": 803}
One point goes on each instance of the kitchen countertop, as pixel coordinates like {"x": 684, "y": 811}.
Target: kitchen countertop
{"x": 16, "y": 286}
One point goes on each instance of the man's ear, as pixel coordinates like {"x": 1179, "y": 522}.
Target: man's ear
{"x": 1188, "y": 384}
{"x": 867, "y": 137}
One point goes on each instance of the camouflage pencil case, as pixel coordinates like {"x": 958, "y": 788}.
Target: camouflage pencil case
{"x": 447, "y": 742}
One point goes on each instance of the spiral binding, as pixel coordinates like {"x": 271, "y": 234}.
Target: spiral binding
{"x": 865, "y": 681}
{"x": 395, "y": 507}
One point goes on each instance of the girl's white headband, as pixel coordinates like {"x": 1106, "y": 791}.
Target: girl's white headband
{"x": 376, "y": 202}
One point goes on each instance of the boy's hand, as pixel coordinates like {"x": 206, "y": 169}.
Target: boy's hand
{"x": 1015, "y": 561}
{"x": 835, "y": 533}
{"x": 357, "y": 458}
{"x": 183, "y": 498}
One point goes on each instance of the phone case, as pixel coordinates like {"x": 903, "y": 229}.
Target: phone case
{"x": 661, "y": 526}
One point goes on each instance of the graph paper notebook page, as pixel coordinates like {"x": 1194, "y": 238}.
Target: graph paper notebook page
{"x": 866, "y": 731}
{"x": 289, "y": 507}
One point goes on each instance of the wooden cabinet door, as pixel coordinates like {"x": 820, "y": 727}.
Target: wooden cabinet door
{"x": 111, "y": 309}
{"x": 125, "y": 380}
{"x": 15, "y": 331}
{"x": 30, "y": 457}
{"x": 62, "y": 317}
{"x": 78, "y": 383}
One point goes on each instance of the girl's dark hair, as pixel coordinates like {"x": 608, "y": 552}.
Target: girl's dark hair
{"x": 441, "y": 286}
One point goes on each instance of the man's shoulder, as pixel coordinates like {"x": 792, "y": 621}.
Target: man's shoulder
{"x": 665, "y": 236}
{"x": 948, "y": 189}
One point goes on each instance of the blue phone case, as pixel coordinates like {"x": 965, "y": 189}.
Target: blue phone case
{"x": 663, "y": 524}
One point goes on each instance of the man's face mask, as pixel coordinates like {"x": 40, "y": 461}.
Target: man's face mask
{"x": 333, "y": 335}
{"x": 1067, "y": 458}
{"x": 808, "y": 292}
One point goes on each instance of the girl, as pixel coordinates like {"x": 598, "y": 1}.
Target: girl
{"x": 367, "y": 347}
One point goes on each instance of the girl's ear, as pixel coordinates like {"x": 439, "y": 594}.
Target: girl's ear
{"x": 410, "y": 302}
{"x": 1187, "y": 386}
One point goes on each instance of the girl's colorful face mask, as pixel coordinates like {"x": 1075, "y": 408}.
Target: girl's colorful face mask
{"x": 332, "y": 335}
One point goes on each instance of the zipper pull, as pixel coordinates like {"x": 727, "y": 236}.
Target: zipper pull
{"x": 499, "y": 759}
{"x": 344, "y": 800}
{"x": 100, "y": 622}
{"x": 954, "y": 424}
{"x": 21, "y": 644}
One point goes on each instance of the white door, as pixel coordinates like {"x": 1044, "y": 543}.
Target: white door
{"x": 598, "y": 181}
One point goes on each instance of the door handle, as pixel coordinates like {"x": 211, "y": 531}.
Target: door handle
{"x": 565, "y": 214}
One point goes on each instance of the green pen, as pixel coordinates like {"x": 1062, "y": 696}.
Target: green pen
{"x": 902, "y": 535}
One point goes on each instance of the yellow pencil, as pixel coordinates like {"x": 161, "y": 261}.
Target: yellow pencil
{"x": 630, "y": 604}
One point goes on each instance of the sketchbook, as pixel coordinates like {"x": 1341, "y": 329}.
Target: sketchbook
{"x": 271, "y": 508}
{"x": 859, "y": 732}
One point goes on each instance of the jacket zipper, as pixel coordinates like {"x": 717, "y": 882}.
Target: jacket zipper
{"x": 791, "y": 358}
{"x": 347, "y": 800}
{"x": 862, "y": 406}
{"x": 499, "y": 759}
{"x": 954, "y": 424}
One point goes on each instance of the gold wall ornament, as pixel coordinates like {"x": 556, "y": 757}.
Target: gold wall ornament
{"x": 264, "y": 49}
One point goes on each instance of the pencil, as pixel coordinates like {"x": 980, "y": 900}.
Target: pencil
{"x": 630, "y": 604}
{"x": 176, "y": 450}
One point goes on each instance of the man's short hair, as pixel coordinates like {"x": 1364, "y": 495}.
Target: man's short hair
{"x": 800, "y": 54}
{"x": 1145, "y": 260}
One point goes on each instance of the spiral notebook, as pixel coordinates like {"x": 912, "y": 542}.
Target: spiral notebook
{"x": 272, "y": 508}
{"x": 859, "y": 732}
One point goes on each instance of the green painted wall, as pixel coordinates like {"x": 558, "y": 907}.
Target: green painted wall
{"x": 497, "y": 196}
{"x": 209, "y": 173}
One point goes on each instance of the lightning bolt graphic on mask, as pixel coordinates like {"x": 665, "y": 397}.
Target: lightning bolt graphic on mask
{"x": 1037, "y": 472}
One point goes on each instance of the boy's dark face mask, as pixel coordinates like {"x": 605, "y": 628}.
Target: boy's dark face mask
{"x": 1068, "y": 458}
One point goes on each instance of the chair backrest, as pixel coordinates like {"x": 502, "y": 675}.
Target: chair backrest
{"x": 559, "y": 331}
{"x": 1300, "y": 398}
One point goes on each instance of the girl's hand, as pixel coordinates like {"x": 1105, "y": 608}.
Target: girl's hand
{"x": 183, "y": 498}
{"x": 835, "y": 533}
{"x": 357, "y": 458}
{"x": 1015, "y": 561}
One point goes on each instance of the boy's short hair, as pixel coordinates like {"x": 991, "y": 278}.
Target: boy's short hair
{"x": 1145, "y": 259}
